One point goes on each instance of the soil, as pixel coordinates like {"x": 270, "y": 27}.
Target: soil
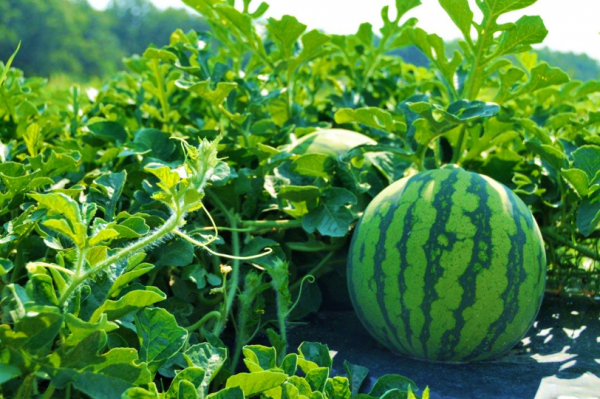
{"x": 558, "y": 358}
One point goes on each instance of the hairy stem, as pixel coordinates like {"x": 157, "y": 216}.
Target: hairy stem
{"x": 170, "y": 225}
{"x": 282, "y": 313}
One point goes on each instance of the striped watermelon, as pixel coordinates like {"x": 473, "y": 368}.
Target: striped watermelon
{"x": 447, "y": 265}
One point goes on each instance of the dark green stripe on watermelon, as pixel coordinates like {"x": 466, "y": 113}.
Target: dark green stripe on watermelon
{"x": 447, "y": 265}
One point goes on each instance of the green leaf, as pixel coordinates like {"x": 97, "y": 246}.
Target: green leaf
{"x": 553, "y": 156}
{"x": 527, "y": 30}
{"x": 8, "y": 64}
{"x": 543, "y": 76}
{"x": 460, "y": 13}
{"x": 8, "y": 372}
{"x": 462, "y": 110}
{"x": 587, "y": 158}
{"x": 372, "y": 117}
{"x": 60, "y": 204}
{"x": 103, "y": 235}
{"x": 158, "y": 142}
{"x": 289, "y": 365}
{"x": 313, "y": 45}
{"x": 317, "y": 165}
{"x": 241, "y": 21}
{"x": 255, "y": 383}
{"x": 187, "y": 390}
{"x": 160, "y": 336}
{"x": 317, "y": 353}
{"x": 285, "y": 33}
{"x": 131, "y": 227}
{"x": 107, "y": 190}
{"x": 81, "y": 329}
{"x": 207, "y": 357}
{"x": 32, "y": 333}
{"x": 588, "y": 215}
{"x": 42, "y": 290}
{"x": 158, "y": 54}
{"x": 260, "y": 357}
{"x": 128, "y": 303}
{"x": 289, "y": 391}
{"x": 109, "y": 383}
{"x": 317, "y": 378}
{"x": 301, "y": 384}
{"x": 227, "y": 393}
{"x": 203, "y": 89}
{"x": 365, "y": 34}
{"x": 111, "y": 131}
{"x": 141, "y": 393}
{"x": 332, "y": 217}
{"x": 338, "y": 388}
{"x": 14, "y": 298}
{"x": 404, "y": 6}
{"x": 191, "y": 375}
{"x": 356, "y": 376}
{"x": 494, "y": 8}
{"x": 389, "y": 382}
{"x": 578, "y": 179}
{"x": 299, "y": 193}
{"x": 5, "y": 266}
{"x": 177, "y": 253}
{"x": 32, "y": 138}
{"x": 129, "y": 276}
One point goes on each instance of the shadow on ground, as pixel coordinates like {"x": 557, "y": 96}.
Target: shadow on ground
{"x": 560, "y": 356}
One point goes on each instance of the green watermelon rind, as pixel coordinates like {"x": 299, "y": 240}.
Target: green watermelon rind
{"x": 464, "y": 283}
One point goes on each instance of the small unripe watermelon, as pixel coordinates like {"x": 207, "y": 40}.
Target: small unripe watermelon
{"x": 447, "y": 265}
{"x": 333, "y": 142}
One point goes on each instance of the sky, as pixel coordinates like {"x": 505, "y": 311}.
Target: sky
{"x": 574, "y": 25}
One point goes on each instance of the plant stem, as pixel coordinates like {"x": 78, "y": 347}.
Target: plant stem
{"x": 49, "y": 391}
{"x": 269, "y": 224}
{"x": 581, "y": 249}
{"x": 171, "y": 224}
{"x": 471, "y": 90}
{"x": 458, "y": 148}
{"x": 235, "y": 267}
{"x": 215, "y": 314}
{"x": 302, "y": 247}
{"x": 282, "y": 312}
{"x": 241, "y": 339}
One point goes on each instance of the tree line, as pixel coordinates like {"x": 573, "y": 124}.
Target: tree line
{"x": 73, "y": 39}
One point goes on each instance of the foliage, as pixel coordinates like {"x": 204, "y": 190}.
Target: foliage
{"x": 579, "y": 66}
{"x": 165, "y": 210}
{"x": 70, "y": 38}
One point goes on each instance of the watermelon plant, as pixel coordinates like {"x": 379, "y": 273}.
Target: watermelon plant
{"x": 176, "y": 208}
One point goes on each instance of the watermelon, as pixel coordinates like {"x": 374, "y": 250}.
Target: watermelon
{"x": 337, "y": 142}
{"x": 447, "y": 265}
{"x": 333, "y": 142}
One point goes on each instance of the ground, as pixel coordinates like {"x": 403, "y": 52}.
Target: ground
{"x": 559, "y": 357}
